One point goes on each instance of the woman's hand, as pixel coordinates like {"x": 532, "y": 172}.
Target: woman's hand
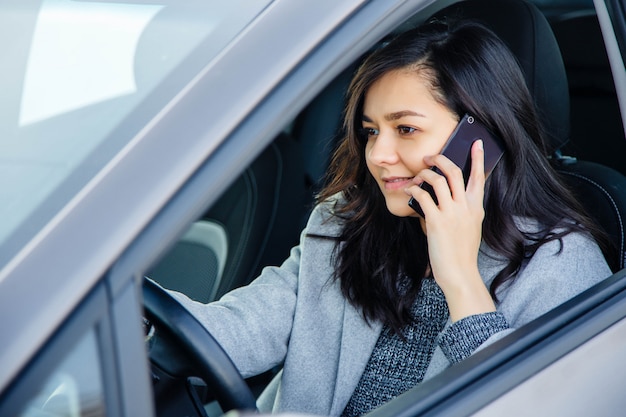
{"x": 454, "y": 230}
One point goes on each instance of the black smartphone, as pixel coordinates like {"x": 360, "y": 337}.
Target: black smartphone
{"x": 457, "y": 149}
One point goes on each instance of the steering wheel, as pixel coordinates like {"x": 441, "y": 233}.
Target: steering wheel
{"x": 181, "y": 349}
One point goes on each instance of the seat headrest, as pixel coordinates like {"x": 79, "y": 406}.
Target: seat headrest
{"x": 529, "y": 36}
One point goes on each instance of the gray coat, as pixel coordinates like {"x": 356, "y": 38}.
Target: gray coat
{"x": 295, "y": 315}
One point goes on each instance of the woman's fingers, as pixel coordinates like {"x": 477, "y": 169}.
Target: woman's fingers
{"x": 476, "y": 182}
{"x": 450, "y": 177}
{"x": 449, "y": 184}
{"x": 454, "y": 228}
{"x": 423, "y": 197}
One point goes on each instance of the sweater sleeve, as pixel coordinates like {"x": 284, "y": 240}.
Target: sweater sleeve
{"x": 254, "y": 323}
{"x": 463, "y": 337}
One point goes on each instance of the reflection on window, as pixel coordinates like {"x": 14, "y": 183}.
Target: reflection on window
{"x": 74, "y": 389}
{"x": 82, "y": 53}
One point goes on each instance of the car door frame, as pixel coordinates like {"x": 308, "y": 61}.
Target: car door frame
{"x": 114, "y": 322}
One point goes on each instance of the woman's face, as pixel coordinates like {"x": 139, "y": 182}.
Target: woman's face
{"x": 404, "y": 123}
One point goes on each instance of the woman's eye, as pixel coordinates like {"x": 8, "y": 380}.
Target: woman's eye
{"x": 406, "y": 130}
{"x": 368, "y": 132}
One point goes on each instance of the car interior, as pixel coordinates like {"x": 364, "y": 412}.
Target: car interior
{"x": 260, "y": 217}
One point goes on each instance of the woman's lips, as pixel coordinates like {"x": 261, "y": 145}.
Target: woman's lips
{"x": 397, "y": 183}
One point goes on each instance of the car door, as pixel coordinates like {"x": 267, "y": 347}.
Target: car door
{"x": 93, "y": 364}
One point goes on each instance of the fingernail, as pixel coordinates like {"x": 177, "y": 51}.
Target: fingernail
{"x": 480, "y": 144}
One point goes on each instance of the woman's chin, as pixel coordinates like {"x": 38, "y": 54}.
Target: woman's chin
{"x": 401, "y": 208}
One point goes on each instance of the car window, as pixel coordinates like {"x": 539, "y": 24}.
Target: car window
{"x": 74, "y": 387}
{"x": 92, "y": 364}
{"x": 80, "y": 80}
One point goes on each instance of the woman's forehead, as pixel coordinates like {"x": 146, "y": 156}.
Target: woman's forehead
{"x": 400, "y": 93}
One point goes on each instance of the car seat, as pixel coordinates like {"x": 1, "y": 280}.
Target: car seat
{"x": 195, "y": 265}
{"x": 261, "y": 212}
{"x": 595, "y": 108}
{"x": 318, "y": 129}
{"x": 601, "y": 190}
{"x": 253, "y": 224}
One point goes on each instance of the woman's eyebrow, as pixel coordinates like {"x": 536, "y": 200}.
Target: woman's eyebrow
{"x": 400, "y": 114}
{"x": 395, "y": 115}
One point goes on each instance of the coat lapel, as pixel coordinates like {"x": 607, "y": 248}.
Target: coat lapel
{"x": 357, "y": 342}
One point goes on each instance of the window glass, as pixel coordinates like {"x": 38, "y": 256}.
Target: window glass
{"x": 74, "y": 388}
{"x": 80, "y": 79}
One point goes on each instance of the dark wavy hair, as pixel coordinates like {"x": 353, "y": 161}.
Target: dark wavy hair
{"x": 470, "y": 70}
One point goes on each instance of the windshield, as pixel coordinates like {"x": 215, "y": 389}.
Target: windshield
{"x": 80, "y": 80}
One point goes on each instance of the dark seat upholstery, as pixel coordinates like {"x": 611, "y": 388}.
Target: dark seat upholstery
{"x": 318, "y": 129}
{"x": 595, "y": 111}
{"x": 261, "y": 213}
{"x": 529, "y": 36}
{"x": 601, "y": 190}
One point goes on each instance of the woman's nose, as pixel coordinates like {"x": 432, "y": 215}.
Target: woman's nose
{"x": 383, "y": 149}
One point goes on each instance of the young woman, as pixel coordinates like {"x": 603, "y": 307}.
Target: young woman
{"x": 377, "y": 298}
